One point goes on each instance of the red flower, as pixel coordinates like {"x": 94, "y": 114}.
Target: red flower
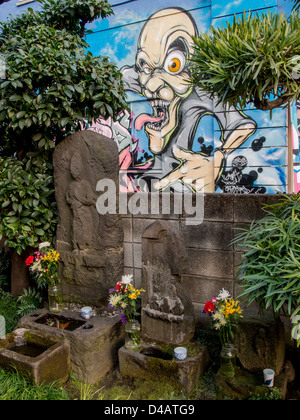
{"x": 29, "y": 260}
{"x": 119, "y": 287}
{"x": 209, "y": 307}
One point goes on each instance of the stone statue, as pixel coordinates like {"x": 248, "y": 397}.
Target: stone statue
{"x": 90, "y": 244}
{"x": 167, "y": 309}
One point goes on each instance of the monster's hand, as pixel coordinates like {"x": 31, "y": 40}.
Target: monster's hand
{"x": 195, "y": 170}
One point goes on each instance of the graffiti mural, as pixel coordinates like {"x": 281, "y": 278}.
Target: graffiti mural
{"x": 175, "y": 136}
{"x": 296, "y": 149}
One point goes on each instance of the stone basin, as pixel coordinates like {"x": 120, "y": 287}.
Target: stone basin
{"x": 154, "y": 362}
{"x": 42, "y": 358}
{"x": 94, "y": 343}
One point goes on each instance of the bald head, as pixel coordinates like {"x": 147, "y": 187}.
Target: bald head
{"x": 165, "y": 29}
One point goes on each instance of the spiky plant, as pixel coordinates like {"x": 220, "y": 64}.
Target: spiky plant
{"x": 254, "y": 59}
{"x": 270, "y": 269}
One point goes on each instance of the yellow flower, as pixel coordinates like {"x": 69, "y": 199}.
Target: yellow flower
{"x": 231, "y": 307}
{"x": 132, "y": 296}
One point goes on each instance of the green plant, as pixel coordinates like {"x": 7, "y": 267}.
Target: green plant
{"x": 29, "y": 301}
{"x": 74, "y": 14}
{"x": 251, "y": 60}
{"x": 53, "y": 85}
{"x": 28, "y": 208}
{"x": 264, "y": 393}
{"x": 18, "y": 387}
{"x": 296, "y": 4}
{"x": 9, "y": 309}
{"x": 4, "y": 268}
{"x": 270, "y": 268}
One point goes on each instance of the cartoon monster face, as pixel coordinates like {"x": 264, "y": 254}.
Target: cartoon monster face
{"x": 165, "y": 44}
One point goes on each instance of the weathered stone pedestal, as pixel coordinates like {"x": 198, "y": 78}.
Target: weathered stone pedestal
{"x": 94, "y": 343}
{"x": 155, "y": 364}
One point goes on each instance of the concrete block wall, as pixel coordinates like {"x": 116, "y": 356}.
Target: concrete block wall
{"x": 212, "y": 260}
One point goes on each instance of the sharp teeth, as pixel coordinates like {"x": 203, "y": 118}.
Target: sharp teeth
{"x": 159, "y": 103}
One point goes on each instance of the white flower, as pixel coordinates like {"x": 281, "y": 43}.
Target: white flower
{"x": 114, "y": 300}
{"x": 127, "y": 278}
{"x": 217, "y": 316}
{"x": 223, "y": 321}
{"x": 217, "y": 325}
{"x": 223, "y": 295}
{"x": 44, "y": 245}
{"x": 36, "y": 266}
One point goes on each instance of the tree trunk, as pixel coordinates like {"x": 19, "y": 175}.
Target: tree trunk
{"x": 19, "y": 273}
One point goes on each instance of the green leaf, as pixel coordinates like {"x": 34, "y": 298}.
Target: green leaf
{"x": 5, "y": 204}
{"x": 12, "y": 219}
{"x": 37, "y": 137}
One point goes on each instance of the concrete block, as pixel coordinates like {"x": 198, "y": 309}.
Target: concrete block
{"x": 202, "y": 289}
{"x": 210, "y": 263}
{"x": 208, "y": 235}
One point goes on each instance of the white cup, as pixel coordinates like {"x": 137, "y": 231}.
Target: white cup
{"x": 269, "y": 377}
{"x": 86, "y": 312}
{"x": 180, "y": 353}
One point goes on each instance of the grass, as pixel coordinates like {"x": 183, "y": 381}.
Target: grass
{"x": 14, "y": 386}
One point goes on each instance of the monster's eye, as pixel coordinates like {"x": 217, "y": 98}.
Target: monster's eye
{"x": 147, "y": 69}
{"x": 174, "y": 62}
{"x": 143, "y": 66}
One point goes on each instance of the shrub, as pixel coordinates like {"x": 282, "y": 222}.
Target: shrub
{"x": 270, "y": 269}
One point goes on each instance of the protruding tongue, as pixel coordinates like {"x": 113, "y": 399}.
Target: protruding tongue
{"x": 146, "y": 118}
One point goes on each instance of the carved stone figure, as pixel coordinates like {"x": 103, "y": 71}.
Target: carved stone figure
{"x": 167, "y": 309}
{"x": 90, "y": 244}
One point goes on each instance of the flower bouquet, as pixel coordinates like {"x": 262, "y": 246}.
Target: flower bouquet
{"x": 225, "y": 313}
{"x": 124, "y": 299}
{"x": 43, "y": 264}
